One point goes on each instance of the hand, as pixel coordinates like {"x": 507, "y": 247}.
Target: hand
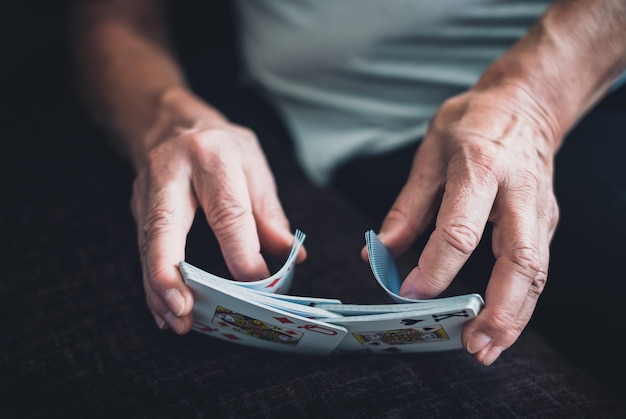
{"x": 219, "y": 167}
{"x": 487, "y": 157}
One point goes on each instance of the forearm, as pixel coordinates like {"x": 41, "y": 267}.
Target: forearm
{"x": 567, "y": 62}
{"x": 128, "y": 77}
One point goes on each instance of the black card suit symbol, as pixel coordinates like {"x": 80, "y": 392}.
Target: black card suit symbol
{"x": 409, "y": 322}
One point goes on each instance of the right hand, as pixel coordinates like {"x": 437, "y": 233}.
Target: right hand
{"x": 219, "y": 167}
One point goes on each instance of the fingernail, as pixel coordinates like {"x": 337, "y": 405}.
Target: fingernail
{"x": 492, "y": 355}
{"x": 178, "y": 325}
{"x": 175, "y": 301}
{"x": 411, "y": 296}
{"x": 159, "y": 321}
{"x": 477, "y": 342}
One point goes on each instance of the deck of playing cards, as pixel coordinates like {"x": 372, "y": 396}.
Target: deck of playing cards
{"x": 260, "y": 314}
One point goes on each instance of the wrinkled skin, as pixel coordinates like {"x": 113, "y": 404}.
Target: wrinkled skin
{"x": 487, "y": 157}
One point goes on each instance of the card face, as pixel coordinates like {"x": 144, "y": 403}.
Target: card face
{"x": 408, "y": 331}
{"x": 222, "y": 315}
{"x": 395, "y": 337}
{"x": 237, "y": 322}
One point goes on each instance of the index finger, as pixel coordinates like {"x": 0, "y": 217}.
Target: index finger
{"x": 221, "y": 187}
{"x": 470, "y": 191}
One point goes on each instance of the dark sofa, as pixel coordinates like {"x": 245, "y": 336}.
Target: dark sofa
{"x": 78, "y": 341}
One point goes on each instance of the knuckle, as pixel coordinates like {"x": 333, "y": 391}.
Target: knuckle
{"x": 399, "y": 215}
{"x": 501, "y": 320}
{"x": 432, "y": 283}
{"x": 537, "y": 285}
{"x": 227, "y": 215}
{"x": 476, "y": 154}
{"x": 211, "y": 148}
{"x": 449, "y": 110}
{"x": 193, "y": 139}
{"x": 525, "y": 260}
{"x": 461, "y": 236}
{"x": 220, "y": 142}
{"x": 210, "y": 144}
{"x": 527, "y": 186}
{"x": 530, "y": 179}
{"x": 153, "y": 275}
{"x": 160, "y": 218}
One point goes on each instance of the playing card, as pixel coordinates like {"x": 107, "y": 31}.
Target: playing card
{"x": 256, "y": 314}
{"x": 386, "y": 273}
{"x": 225, "y": 316}
{"x": 281, "y": 281}
{"x": 442, "y": 304}
{"x": 307, "y": 301}
{"x": 192, "y": 275}
{"x": 384, "y": 267}
{"x": 421, "y": 330}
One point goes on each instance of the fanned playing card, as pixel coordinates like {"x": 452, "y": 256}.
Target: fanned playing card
{"x": 255, "y": 314}
{"x": 281, "y": 280}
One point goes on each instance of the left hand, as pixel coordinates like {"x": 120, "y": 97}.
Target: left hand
{"x": 487, "y": 157}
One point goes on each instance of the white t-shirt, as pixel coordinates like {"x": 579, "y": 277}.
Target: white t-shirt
{"x": 359, "y": 77}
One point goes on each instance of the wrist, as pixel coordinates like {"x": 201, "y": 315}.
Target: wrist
{"x": 566, "y": 62}
{"x": 530, "y": 96}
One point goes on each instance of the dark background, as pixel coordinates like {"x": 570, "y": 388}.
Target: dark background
{"x": 78, "y": 341}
